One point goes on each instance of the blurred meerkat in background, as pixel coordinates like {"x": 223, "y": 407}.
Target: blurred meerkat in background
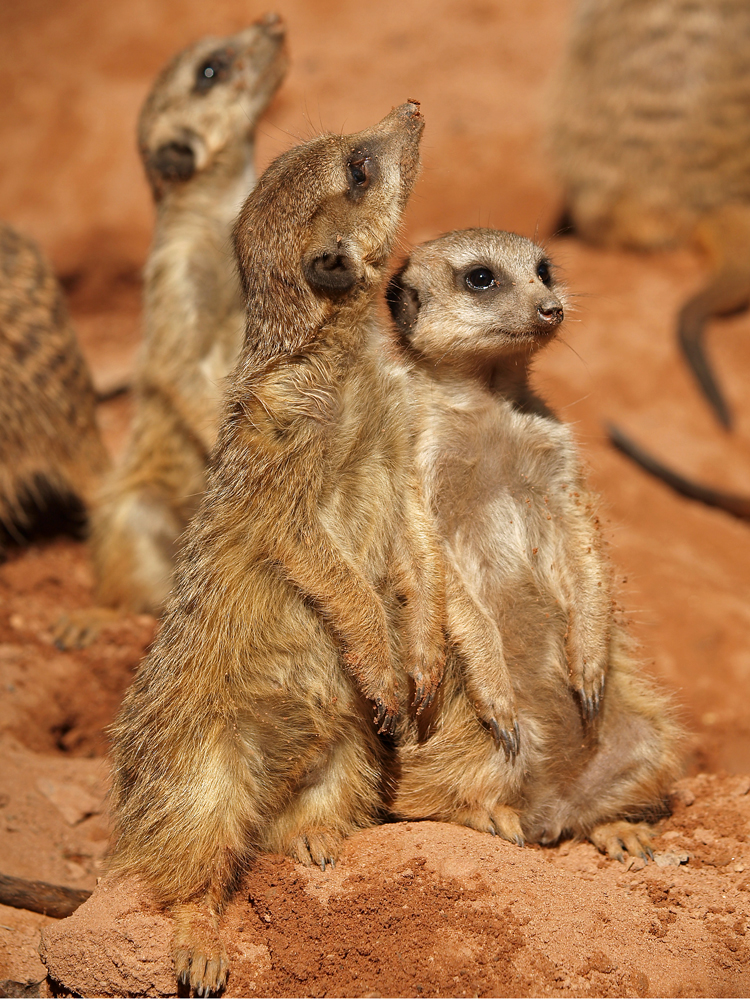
{"x": 650, "y": 135}
{"x": 599, "y": 746}
{"x": 196, "y": 136}
{"x": 51, "y": 454}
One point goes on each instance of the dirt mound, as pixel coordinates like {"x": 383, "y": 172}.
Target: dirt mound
{"x": 429, "y": 909}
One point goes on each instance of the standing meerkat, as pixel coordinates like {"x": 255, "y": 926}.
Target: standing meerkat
{"x": 51, "y": 454}
{"x": 310, "y": 582}
{"x": 196, "y": 136}
{"x": 651, "y": 139}
{"x": 520, "y": 530}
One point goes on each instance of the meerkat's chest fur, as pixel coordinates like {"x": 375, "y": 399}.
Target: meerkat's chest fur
{"x": 517, "y": 470}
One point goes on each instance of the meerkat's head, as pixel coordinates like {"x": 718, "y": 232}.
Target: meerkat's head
{"x": 319, "y": 227}
{"x": 208, "y": 100}
{"x": 475, "y": 297}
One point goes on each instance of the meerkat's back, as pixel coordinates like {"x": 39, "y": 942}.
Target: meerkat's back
{"x": 51, "y": 453}
{"x": 650, "y": 134}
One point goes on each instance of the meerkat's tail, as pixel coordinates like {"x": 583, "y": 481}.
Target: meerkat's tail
{"x": 731, "y": 503}
{"x": 725, "y": 235}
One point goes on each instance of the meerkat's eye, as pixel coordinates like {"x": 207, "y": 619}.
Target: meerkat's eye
{"x": 544, "y": 273}
{"x": 359, "y": 170}
{"x": 480, "y": 279}
{"x": 214, "y": 69}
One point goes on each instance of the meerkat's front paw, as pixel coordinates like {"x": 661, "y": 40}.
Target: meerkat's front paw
{"x": 200, "y": 960}
{"x": 80, "y": 628}
{"x": 500, "y": 821}
{"x": 499, "y": 716}
{"x": 318, "y": 846}
{"x": 614, "y": 838}
{"x": 386, "y": 716}
{"x": 379, "y": 687}
{"x": 590, "y": 693}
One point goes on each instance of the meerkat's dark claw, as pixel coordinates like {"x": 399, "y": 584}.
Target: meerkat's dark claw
{"x": 384, "y": 720}
{"x": 509, "y": 742}
{"x": 519, "y": 841}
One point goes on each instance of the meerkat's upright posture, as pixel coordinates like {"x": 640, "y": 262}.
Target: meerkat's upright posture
{"x": 310, "y": 580}
{"x": 520, "y": 532}
{"x": 197, "y": 138}
{"x": 651, "y": 135}
{"x": 50, "y": 449}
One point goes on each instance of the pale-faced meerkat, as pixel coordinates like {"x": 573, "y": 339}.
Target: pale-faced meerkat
{"x": 310, "y": 582}
{"x": 196, "y": 136}
{"x": 504, "y": 480}
{"x": 51, "y": 454}
{"x": 650, "y": 133}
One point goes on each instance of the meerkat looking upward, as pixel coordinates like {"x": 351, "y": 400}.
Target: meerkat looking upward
{"x": 598, "y": 744}
{"x": 310, "y": 583}
{"x": 51, "y": 453}
{"x": 196, "y": 136}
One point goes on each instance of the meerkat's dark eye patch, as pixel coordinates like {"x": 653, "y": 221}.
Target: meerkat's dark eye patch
{"x": 544, "y": 272}
{"x": 403, "y": 302}
{"x": 479, "y": 279}
{"x": 332, "y": 273}
{"x": 174, "y": 161}
{"x": 214, "y": 69}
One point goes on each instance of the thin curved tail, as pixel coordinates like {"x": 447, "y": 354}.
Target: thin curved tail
{"x": 725, "y": 235}
{"x": 731, "y": 503}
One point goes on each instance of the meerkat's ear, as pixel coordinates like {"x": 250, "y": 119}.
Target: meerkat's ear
{"x": 174, "y": 161}
{"x": 403, "y": 301}
{"x": 332, "y": 273}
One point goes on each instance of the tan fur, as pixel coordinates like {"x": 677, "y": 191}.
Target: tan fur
{"x": 520, "y": 531}
{"x": 310, "y": 581}
{"x": 50, "y": 448}
{"x": 650, "y": 135}
{"x": 197, "y": 143}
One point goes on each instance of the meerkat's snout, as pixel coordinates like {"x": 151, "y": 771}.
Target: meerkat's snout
{"x": 550, "y": 311}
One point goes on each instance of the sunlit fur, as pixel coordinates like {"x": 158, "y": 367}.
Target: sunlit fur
{"x": 649, "y": 123}
{"x": 310, "y": 584}
{"x": 193, "y": 317}
{"x": 50, "y": 448}
{"x": 520, "y": 531}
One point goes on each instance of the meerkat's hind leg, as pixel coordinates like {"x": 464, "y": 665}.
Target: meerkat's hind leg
{"x": 316, "y": 847}
{"x": 500, "y": 821}
{"x": 341, "y": 793}
{"x": 200, "y": 960}
{"x": 79, "y": 629}
{"x": 622, "y": 835}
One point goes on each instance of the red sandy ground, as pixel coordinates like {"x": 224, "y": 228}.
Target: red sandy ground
{"x": 412, "y": 909}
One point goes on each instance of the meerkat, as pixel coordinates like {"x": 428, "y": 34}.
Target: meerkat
{"x": 52, "y": 457}
{"x": 503, "y": 478}
{"x": 650, "y": 134}
{"x": 196, "y": 137}
{"x": 310, "y": 583}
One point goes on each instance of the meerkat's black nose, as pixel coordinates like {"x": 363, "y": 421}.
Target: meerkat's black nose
{"x": 273, "y": 24}
{"x": 551, "y": 312}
